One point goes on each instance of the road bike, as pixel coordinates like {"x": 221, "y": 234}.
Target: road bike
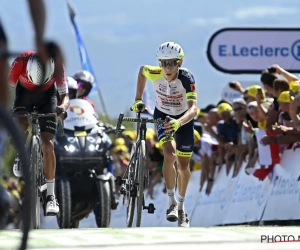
{"x": 136, "y": 177}
{"x": 36, "y": 172}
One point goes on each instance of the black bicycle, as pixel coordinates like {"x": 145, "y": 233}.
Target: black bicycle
{"x": 136, "y": 177}
{"x": 36, "y": 171}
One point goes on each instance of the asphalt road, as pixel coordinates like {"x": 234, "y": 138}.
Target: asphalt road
{"x": 233, "y": 238}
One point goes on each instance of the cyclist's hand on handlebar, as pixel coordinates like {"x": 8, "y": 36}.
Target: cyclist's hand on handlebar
{"x": 136, "y": 106}
{"x": 172, "y": 126}
{"x": 61, "y": 113}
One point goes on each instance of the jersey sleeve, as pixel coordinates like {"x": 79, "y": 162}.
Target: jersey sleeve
{"x": 188, "y": 83}
{"x": 152, "y": 73}
{"x": 61, "y": 83}
{"x": 15, "y": 71}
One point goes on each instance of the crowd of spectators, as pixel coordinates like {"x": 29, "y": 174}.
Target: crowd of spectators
{"x": 228, "y": 129}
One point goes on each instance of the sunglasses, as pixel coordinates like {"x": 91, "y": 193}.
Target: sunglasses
{"x": 237, "y": 109}
{"x": 246, "y": 98}
{"x": 84, "y": 85}
{"x": 170, "y": 62}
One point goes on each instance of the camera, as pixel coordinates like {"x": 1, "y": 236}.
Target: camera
{"x": 271, "y": 70}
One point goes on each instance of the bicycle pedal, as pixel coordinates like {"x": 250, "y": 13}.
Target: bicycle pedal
{"x": 119, "y": 180}
{"x": 151, "y": 208}
{"x": 123, "y": 190}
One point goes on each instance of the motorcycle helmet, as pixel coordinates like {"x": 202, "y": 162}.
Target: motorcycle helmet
{"x": 85, "y": 80}
{"x": 72, "y": 86}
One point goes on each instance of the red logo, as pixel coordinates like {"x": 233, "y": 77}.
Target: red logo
{"x": 193, "y": 87}
{"x": 77, "y": 110}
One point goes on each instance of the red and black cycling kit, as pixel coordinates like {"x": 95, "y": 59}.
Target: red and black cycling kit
{"x": 29, "y": 95}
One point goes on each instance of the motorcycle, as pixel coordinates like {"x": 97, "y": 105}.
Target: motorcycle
{"x": 83, "y": 182}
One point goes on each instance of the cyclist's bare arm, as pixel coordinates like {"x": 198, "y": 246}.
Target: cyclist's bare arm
{"x": 190, "y": 113}
{"x": 38, "y": 17}
{"x": 141, "y": 84}
{"x": 65, "y": 101}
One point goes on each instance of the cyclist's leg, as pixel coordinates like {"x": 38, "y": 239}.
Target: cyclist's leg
{"x": 184, "y": 138}
{"x": 22, "y": 105}
{"x": 169, "y": 172}
{"x": 48, "y": 129}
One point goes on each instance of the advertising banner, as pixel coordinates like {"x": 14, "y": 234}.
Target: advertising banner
{"x": 251, "y": 50}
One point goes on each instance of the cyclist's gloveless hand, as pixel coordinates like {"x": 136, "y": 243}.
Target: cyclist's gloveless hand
{"x": 172, "y": 126}
{"x": 61, "y": 116}
{"x": 134, "y": 107}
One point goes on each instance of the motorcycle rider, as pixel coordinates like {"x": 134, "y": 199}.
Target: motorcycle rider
{"x": 80, "y": 85}
{"x": 85, "y": 83}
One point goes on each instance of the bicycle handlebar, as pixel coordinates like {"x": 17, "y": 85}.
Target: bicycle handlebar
{"x": 142, "y": 119}
{"x": 54, "y": 115}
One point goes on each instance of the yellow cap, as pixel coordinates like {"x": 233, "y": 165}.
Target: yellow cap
{"x": 284, "y": 97}
{"x": 252, "y": 91}
{"x": 130, "y": 134}
{"x": 158, "y": 145}
{"x": 222, "y": 107}
{"x": 149, "y": 135}
{"x": 200, "y": 113}
{"x": 294, "y": 86}
{"x": 120, "y": 141}
{"x": 197, "y": 136}
{"x": 121, "y": 148}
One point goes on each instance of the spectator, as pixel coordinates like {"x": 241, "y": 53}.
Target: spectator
{"x": 227, "y": 134}
{"x": 285, "y": 134}
{"x": 241, "y": 149}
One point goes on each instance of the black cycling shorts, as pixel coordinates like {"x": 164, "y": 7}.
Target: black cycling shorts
{"x": 46, "y": 102}
{"x": 184, "y": 136}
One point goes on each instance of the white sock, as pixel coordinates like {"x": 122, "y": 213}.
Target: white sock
{"x": 50, "y": 187}
{"x": 172, "y": 198}
{"x": 180, "y": 202}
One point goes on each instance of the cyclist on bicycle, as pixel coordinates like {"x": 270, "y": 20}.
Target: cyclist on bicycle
{"x": 38, "y": 87}
{"x": 175, "y": 97}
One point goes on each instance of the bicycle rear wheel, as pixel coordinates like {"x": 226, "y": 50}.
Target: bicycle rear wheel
{"x": 35, "y": 150}
{"x": 131, "y": 196}
{"x": 140, "y": 179}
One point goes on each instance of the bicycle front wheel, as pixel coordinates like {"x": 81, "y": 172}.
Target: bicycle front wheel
{"x": 141, "y": 182}
{"x": 131, "y": 196}
{"x": 34, "y": 175}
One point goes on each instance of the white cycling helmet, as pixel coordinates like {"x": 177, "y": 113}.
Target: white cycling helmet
{"x": 84, "y": 76}
{"x": 72, "y": 84}
{"x": 35, "y": 71}
{"x": 170, "y": 50}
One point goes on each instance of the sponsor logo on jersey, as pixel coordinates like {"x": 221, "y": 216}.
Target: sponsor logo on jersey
{"x": 169, "y": 96}
{"x": 189, "y": 76}
{"x": 162, "y": 86}
{"x": 173, "y": 104}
